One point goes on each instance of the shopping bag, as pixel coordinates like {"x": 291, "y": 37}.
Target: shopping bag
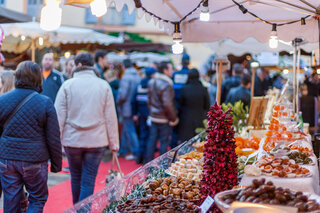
{"x": 114, "y": 174}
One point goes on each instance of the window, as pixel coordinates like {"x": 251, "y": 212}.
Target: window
{"x": 2, "y": 2}
{"x": 34, "y": 7}
{"x": 113, "y": 17}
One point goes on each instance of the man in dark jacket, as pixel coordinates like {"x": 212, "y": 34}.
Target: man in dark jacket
{"x": 241, "y": 93}
{"x": 128, "y": 84}
{"x": 30, "y": 138}
{"x": 162, "y": 110}
{"x": 101, "y": 60}
{"x": 52, "y": 79}
{"x": 259, "y": 82}
{"x": 141, "y": 112}
{"x": 231, "y": 82}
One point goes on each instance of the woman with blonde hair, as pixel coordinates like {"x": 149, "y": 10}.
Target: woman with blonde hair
{"x": 6, "y": 81}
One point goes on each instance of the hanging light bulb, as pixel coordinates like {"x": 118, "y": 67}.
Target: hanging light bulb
{"x": 98, "y": 7}
{"x": 177, "y": 47}
{"x": 23, "y": 38}
{"x": 205, "y": 14}
{"x": 40, "y": 41}
{"x": 273, "y": 41}
{"x": 50, "y": 18}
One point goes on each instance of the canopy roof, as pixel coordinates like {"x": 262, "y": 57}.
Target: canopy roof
{"x": 228, "y": 21}
{"x": 252, "y": 46}
{"x": 64, "y": 35}
{"x": 10, "y": 16}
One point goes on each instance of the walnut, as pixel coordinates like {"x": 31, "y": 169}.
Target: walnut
{"x": 165, "y": 192}
{"x": 177, "y": 191}
{"x": 164, "y": 187}
{"x": 158, "y": 191}
{"x": 181, "y": 186}
{"x": 190, "y": 195}
{"x": 188, "y": 187}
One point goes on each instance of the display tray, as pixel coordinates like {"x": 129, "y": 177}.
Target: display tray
{"x": 224, "y": 207}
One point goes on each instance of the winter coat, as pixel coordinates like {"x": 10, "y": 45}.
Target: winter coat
{"x": 194, "y": 104}
{"x": 227, "y": 85}
{"x": 86, "y": 111}
{"x": 179, "y": 80}
{"x": 161, "y": 99}
{"x": 258, "y": 87}
{"x": 140, "y": 98}
{"x": 239, "y": 94}
{"x": 32, "y": 134}
{"x": 128, "y": 84}
{"x": 52, "y": 84}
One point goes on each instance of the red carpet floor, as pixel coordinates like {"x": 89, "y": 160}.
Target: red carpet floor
{"x": 60, "y": 197}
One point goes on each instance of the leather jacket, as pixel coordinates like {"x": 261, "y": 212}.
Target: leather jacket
{"x": 161, "y": 99}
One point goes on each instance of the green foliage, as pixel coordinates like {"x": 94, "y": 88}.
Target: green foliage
{"x": 202, "y": 129}
{"x": 157, "y": 174}
{"x": 239, "y": 113}
{"x": 137, "y": 192}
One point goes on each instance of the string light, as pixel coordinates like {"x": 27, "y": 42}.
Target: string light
{"x": 273, "y": 41}
{"x": 98, "y": 7}
{"x": 205, "y": 15}
{"x": 40, "y": 41}
{"x": 23, "y": 38}
{"x": 51, "y": 14}
{"x": 177, "y": 47}
{"x": 67, "y": 54}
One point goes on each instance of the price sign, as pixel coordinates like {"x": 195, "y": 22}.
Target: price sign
{"x": 205, "y": 206}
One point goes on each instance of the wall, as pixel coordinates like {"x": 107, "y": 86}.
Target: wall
{"x": 17, "y": 5}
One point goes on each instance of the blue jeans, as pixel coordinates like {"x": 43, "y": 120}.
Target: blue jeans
{"x": 129, "y": 138}
{"x": 83, "y": 164}
{"x": 161, "y": 132}
{"x": 15, "y": 174}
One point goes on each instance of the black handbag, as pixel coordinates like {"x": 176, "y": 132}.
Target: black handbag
{"x": 10, "y": 116}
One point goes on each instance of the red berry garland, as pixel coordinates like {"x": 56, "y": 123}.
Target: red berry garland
{"x": 220, "y": 160}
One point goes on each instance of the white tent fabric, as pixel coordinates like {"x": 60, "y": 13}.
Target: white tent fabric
{"x": 227, "y": 21}
{"x": 252, "y": 46}
{"x": 64, "y": 35}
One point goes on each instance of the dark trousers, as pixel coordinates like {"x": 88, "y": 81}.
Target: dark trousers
{"x": 16, "y": 174}
{"x": 83, "y": 164}
{"x": 161, "y": 132}
{"x": 143, "y": 134}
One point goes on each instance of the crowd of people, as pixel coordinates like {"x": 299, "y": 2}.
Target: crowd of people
{"x": 93, "y": 105}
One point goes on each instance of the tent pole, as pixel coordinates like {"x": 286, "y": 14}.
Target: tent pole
{"x": 252, "y": 82}
{"x": 218, "y": 98}
{"x": 33, "y": 50}
{"x": 297, "y": 86}
{"x": 294, "y": 78}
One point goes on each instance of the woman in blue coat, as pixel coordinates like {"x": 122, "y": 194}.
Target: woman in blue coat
{"x": 29, "y": 139}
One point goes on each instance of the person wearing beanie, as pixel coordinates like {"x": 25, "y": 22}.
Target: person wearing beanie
{"x": 140, "y": 110}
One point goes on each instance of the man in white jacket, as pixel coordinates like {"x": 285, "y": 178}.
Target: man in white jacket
{"x": 88, "y": 124}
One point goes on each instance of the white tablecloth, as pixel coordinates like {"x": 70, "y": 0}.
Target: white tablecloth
{"x": 309, "y": 184}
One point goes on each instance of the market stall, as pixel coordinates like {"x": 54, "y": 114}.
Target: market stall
{"x": 20, "y": 37}
{"x": 206, "y": 167}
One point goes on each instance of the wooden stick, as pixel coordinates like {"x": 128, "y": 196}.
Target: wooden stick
{"x": 252, "y": 82}
{"x": 218, "y": 98}
{"x": 33, "y": 50}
